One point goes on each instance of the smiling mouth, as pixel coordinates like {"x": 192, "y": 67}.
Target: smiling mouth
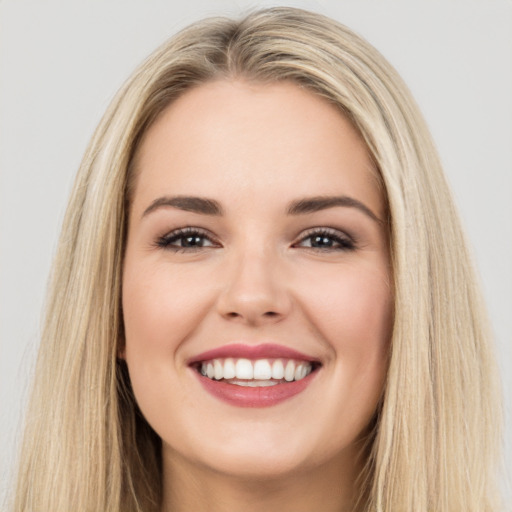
{"x": 255, "y": 373}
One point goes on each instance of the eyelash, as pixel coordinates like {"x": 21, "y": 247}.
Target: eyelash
{"x": 344, "y": 242}
{"x": 166, "y": 241}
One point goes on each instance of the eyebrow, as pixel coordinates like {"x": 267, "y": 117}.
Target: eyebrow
{"x": 205, "y": 206}
{"x": 316, "y": 204}
{"x": 200, "y": 205}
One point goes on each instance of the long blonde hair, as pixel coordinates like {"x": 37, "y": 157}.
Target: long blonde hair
{"x": 436, "y": 443}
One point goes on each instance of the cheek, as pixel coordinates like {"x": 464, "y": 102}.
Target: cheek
{"x": 159, "y": 312}
{"x": 353, "y": 311}
{"x": 160, "y": 307}
{"x": 354, "y": 308}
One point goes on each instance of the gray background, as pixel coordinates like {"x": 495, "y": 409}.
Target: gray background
{"x": 62, "y": 61}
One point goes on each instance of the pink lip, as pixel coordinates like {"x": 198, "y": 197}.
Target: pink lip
{"x": 242, "y": 396}
{"x": 264, "y": 351}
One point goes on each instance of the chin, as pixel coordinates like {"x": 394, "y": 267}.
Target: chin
{"x": 263, "y": 454}
{"x": 260, "y": 466}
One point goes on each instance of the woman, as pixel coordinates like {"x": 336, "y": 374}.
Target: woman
{"x": 262, "y": 298}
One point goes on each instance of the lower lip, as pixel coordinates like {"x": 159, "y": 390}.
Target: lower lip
{"x": 265, "y": 396}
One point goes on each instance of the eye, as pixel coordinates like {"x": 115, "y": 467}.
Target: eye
{"x": 186, "y": 239}
{"x": 326, "y": 239}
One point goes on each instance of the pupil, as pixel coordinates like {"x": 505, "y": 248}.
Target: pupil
{"x": 192, "y": 241}
{"x": 322, "y": 241}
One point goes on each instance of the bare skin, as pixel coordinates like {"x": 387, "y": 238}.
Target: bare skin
{"x": 330, "y": 489}
{"x": 281, "y": 241}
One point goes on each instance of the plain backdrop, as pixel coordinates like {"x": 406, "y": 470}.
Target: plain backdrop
{"x": 62, "y": 61}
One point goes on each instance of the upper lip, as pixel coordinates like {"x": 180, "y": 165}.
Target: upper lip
{"x": 262, "y": 351}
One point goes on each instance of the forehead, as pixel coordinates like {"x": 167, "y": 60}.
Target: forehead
{"x": 226, "y": 138}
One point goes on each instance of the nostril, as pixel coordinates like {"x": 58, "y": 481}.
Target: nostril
{"x": 268, "y": 314}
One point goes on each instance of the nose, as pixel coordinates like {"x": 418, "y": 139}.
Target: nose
{"x": 254, "y": 292}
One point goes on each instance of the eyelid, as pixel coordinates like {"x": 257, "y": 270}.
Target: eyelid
{"x": 344, "y": 240}
{"x": 347, "y": 241}
{"x": 326, "y": 230}
{"x": 164, "y": 241}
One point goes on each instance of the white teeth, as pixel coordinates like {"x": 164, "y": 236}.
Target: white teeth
{"x": 298, "y": 372}
{"x": 229, "y": 368}
{"x": 217, "y": 367}
{"x": 289, "y": 371}
{"x": 278, "y": 369}
{"x": 210, "y": 372}
{"x": 254, "y": 383}
{"x": 301, "y": 371}
{"x": 244, "y": 369}
{"x": 262, "y": 372}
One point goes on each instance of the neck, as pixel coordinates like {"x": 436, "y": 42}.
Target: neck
{"x": 330, "y": 487}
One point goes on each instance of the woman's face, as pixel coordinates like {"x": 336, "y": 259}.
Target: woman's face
{"x": 257, "y": 254}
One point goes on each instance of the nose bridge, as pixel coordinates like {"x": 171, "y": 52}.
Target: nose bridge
{"x": 255, "y": 289}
